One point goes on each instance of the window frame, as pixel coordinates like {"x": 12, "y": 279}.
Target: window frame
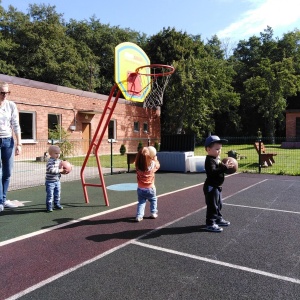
{"x": 33, "y": 126}
{"x": 112, "y": 137}
{"x": 145, "y": 127}
{"x": 58, "y": 123}
{"x": 136, "y": 126}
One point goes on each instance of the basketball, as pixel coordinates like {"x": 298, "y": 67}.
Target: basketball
{"x": 234, "y": 162}
{"x": 152, "y": 151}
{"x": 66, "y": 166}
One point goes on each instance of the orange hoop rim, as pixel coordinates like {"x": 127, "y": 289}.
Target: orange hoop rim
{"x": 171, "y": 70}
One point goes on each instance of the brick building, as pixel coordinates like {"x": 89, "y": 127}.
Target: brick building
{"x": 292, "y": 117}
{"x": 42, "y": 106}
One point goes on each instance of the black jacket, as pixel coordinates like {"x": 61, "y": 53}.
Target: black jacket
{"x": 215, "y": 171}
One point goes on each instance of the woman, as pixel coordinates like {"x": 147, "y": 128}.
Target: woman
{"x": 9, "y": 122}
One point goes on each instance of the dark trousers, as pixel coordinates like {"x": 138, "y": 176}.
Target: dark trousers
{"x": 213, "y": 200}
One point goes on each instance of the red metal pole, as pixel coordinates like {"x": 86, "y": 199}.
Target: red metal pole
{"x": 95, "y": 144}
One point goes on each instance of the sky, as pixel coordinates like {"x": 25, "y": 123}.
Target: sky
{"x": 230, "y": 20}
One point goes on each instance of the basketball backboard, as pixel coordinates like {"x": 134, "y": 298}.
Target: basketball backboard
{"x": 129, "y": 57}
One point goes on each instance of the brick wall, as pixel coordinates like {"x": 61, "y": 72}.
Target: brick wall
{"x": 291, "y": 116}
{"x": 44, "y": 99}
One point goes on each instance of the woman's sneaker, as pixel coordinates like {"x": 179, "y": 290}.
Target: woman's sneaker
{"x": 9, "y": 204}
{"x": 214, "y": 228}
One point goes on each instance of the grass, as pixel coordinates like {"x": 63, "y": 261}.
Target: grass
{"x": 119, "y": 161}
{"x": 287, "y": 161}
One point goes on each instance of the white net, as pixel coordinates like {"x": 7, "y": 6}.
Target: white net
{"x": 160, "y": 76}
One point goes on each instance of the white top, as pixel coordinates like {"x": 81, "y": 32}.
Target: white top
{"x": 9, "y": 119}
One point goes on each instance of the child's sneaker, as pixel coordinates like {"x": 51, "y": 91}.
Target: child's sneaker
{"x": 154, "y": 216}
{"x": 214, "y": 228}
{"x": 222, "y": 222}
{"x": 139, "y": 219}
{"x": 58, "y": 207}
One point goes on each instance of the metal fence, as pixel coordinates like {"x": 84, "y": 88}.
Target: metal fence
{"x": 29, "y": 170}
{"x": 28, "y": 174}
{"x": 285, "y": 155}
{"x": 30, "y": 167}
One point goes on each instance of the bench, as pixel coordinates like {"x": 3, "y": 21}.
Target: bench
{"x": 131, "y": 159}
{"x": 266, "y": 159}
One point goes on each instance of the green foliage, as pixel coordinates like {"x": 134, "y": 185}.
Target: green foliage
{"x": 122, "y": 149}
{"x": 41, "y": 46}
{"x": 200, "y": 89}
{"x": 286, "y": 161}
{"x": 210, "y": 91}
{"x": 60, "y": 137}
{"x": 267, "y": 75}
{"x": 156, "y": 146}
{"x": 140, "y": 146}
{"x": 269, "y": 86}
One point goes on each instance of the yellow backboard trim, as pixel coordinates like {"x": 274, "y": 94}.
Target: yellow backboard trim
{"x": 128, "y": 57}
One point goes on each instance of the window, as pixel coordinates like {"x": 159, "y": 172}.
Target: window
{"x": 145, "y": 127}
{"x": 53, "y": 121}
{"x": 27, "y": 124}
{"x": 136, "y": 126}
{"x": 297, "y": 127}
{"x": 112, "y": 132}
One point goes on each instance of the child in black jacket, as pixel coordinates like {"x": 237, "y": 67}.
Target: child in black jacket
{"x": 212, "y": 188}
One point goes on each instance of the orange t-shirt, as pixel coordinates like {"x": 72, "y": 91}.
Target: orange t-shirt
{"x": 145, "y": 179}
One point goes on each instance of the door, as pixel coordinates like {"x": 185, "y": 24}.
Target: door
{"x": 86, "y": 136}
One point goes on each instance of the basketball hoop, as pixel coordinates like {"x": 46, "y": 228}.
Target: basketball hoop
{"x": 160, "y": 75}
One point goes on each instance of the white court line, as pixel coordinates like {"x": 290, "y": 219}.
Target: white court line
{"x": 29, "y": 235}
{"x": 247, "y": 188}
{"x": 66, "y": 272}
{"x": 263, "y": 208}
{"x": 254, "y": 207}
{"x": 217, "y": 262}
{"x": 134, "y": 241}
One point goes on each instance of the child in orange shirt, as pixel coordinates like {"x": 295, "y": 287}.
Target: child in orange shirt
{"x": 146, "y": 166}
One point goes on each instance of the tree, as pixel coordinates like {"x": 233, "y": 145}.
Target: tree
{"x": 10, "y": 22}
{"x": 264, "y": 79}
{"x": 271, "y": 84}
{"x": 200, "y": 89}
{"x": 101, "y": 39}
{"x": 50, "y": 55}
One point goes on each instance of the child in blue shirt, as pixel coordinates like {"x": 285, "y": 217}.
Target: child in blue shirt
{"x": 52, "y": 180}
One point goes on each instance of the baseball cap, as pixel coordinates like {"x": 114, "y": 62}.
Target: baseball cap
{"x": 214, "y": 139}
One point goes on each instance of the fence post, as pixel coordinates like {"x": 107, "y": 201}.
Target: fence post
{"x": 259, "y": 155}
{"x": 259, "y": 135}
